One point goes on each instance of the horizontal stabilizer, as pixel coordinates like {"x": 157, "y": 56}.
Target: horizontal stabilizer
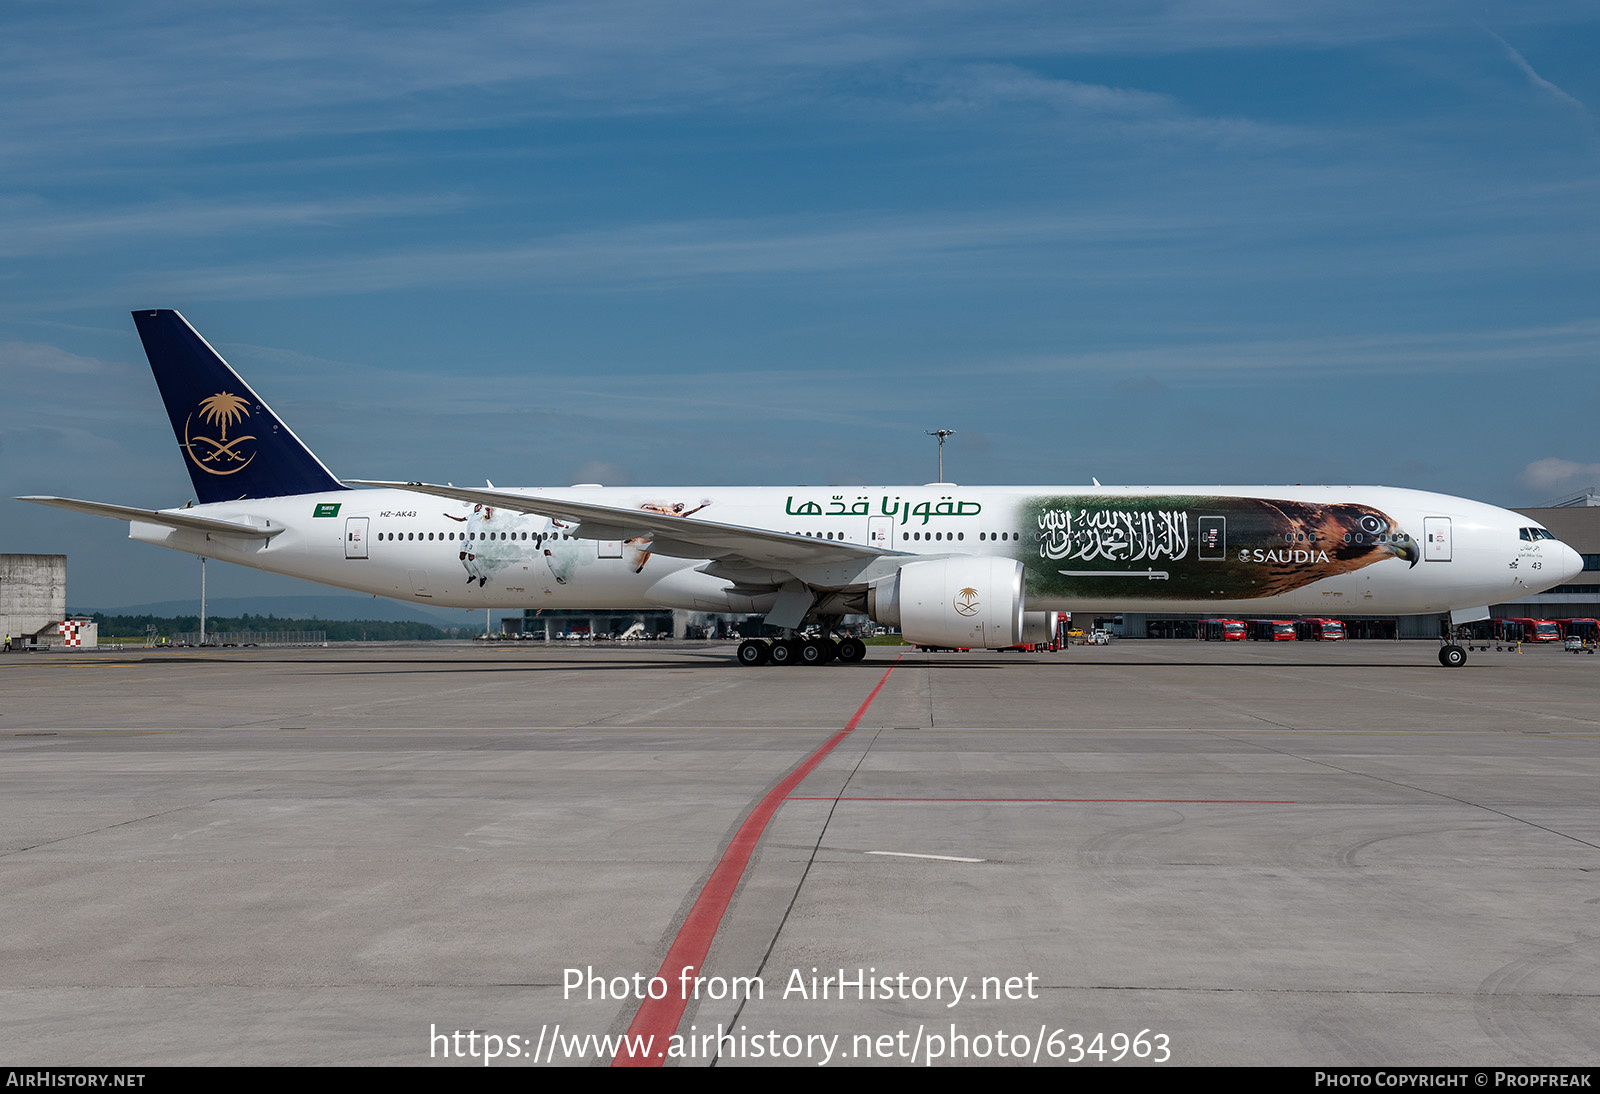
{"x": 170, "y": 518}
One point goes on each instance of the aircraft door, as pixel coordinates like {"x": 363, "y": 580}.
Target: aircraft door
{"x": 880, "y": 532}
{"x": 1436, "y": 539}
{"x": 355, "y": 537}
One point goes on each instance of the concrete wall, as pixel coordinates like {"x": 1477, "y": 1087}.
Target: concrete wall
{"x": 33, "y": 592}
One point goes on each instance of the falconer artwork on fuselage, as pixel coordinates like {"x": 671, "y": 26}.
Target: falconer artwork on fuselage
{"x": 946, "y": 565}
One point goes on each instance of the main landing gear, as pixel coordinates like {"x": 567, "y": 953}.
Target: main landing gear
{"x": 801, "y": 651}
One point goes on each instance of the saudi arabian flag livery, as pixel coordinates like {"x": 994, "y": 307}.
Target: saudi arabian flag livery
{"x": 1193, "y": 547}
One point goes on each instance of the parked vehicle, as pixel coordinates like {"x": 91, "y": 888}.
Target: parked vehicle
{"x": 1221, "y": 630}
{"x": 1530, "y": 630}
{"x": 1319, "y": 629}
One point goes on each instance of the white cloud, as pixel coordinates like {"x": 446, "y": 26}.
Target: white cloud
{"x": 1554, "y": 473}
{"x": 36, "y": 228}
{"x": 600, "y": 471}
{"x": 190, "y": 73}
{"x": 1537, "y": 80}
{"x": 667, "y": 252}
{"x": 1292, "y": 359}
{"x": 990, "y": 86}
{"x": 19, "y": 359}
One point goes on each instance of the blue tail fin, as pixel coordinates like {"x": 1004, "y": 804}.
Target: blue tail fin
{"x": 233, "y": 444}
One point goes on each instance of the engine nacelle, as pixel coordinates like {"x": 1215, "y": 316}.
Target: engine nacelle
{"x": 970, "y": 602}
{"x": 1039, "y": 628}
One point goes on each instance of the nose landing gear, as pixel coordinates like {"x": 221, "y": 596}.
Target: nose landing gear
{"x": 1452, "y": 655}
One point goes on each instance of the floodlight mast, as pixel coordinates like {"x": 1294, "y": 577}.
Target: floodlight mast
{"x": 941, "y": 434}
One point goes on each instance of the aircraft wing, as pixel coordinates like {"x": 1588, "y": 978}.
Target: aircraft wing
{"x": 681, "y": 537}
{"x": 165, "y": 517}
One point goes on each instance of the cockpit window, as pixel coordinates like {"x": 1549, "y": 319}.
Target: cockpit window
{"x": 1531, "y": 534}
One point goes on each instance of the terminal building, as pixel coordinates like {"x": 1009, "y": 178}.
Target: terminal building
{"x": 567, "y": 623}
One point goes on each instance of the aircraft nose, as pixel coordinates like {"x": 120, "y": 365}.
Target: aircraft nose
{"x": 1571, "y": 564}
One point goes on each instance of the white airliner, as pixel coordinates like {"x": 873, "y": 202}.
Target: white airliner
{"x": 948, "y": 565}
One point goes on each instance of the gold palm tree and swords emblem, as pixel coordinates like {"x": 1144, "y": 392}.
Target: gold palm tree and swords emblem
{"x": 220, "y": 456}
{"x": 966, "y": 601}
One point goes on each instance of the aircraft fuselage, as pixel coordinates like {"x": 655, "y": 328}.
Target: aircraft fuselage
{"x": 1278, "y": 550}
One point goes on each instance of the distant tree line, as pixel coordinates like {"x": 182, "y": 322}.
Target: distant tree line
{"x": 337, "y": 630}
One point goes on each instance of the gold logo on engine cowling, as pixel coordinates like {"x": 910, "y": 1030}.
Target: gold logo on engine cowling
{"x": 966, "y": 602}
{"x": 220, "y": 455}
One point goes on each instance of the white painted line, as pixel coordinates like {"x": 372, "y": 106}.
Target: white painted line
{"x": 941, "y": 858}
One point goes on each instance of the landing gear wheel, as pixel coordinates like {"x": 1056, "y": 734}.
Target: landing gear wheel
{"x": 852, "y": 650}
{"x": 813, "y": 652}
{"x": 1452, "y": 657}
{"x": 752, "y": 652}
{"x": 783, "y": 652}
{"x": 830, "y": 649}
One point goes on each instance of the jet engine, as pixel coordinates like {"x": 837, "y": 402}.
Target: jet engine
{"x": 1039, "y": 628}
{"x": 970, "y": 602}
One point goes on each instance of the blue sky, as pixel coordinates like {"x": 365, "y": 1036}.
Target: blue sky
{"x": 745, "y": 243}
